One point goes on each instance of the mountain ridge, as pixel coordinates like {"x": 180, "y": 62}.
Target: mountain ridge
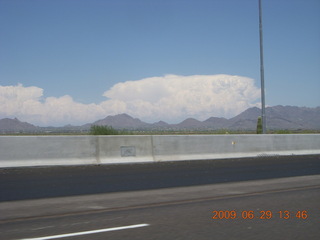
{"x": 277, "y": 117}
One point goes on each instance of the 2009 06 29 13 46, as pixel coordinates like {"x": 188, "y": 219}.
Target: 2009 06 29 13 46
{"x": 263, "y": 214}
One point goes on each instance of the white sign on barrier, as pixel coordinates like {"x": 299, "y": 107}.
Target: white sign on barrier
{"x": 128, "y": 151}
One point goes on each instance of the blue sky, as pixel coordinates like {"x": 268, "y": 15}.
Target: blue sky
{"x": 81, "y": 54}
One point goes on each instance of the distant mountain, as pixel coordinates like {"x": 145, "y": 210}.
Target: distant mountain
{"x": 160, "y": 124}
{"x": 289, "y": 117}
{"x": 189, "y": 123}
{"x": 14, "y": 125}
{"x": 215, "y": 123}
{"x": 277, "y": 117}
{"x": 122, "y": 121}
{"x": 245, "y": 120}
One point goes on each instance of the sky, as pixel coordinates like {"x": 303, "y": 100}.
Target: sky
{"x": 76, "y": 61}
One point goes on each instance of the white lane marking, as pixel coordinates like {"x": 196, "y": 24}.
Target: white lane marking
{"x": 40, "y": 228}
{"x": 89, "y": 232}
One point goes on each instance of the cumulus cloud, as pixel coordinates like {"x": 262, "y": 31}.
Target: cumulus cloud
{"x": 27, "y": 104}
{"x": 174, "y": 97}
{"x": 170, "y": 98}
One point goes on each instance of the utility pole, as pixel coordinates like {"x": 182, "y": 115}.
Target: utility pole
{"x": 263, "y": 111}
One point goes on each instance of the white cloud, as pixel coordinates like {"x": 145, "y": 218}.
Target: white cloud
{"x": 27, "y": 104}
{"x": 170, "y": 98}
{"x": 175, "y": 97}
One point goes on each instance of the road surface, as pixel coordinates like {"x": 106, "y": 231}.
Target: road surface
{"x": 264, "y": 198}
{"x": 35, "y": 183}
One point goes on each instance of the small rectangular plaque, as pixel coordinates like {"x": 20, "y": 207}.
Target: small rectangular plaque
{"x": 128, "y": 151}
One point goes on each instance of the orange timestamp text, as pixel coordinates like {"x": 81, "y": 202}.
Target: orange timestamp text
{"x": 250, "y": 214}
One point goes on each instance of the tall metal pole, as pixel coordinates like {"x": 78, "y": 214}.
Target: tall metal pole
{"x": 263, "y": 112}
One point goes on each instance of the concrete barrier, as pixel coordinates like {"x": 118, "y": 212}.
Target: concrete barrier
{"x": 18, "y": 151}
{"x": 194, "y": 147}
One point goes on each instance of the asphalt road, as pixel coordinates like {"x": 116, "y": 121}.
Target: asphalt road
{"x": 47, "y": 182}
{"x": 286, "y": 208}
{"x": 254, "y": 198}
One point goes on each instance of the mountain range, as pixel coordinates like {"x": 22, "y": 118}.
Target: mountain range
{"x": 278, "y": 117}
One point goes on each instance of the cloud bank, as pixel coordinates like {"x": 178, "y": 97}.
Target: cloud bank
{"x": 171, "y": 98}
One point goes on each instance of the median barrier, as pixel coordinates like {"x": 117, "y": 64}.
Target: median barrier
{"x": 196, "y": 147}
{"x": 20, "y": 151}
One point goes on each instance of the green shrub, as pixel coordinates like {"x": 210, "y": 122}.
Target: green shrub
{"x": 259, "y": 125}
{"x": 103, "y": 130}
